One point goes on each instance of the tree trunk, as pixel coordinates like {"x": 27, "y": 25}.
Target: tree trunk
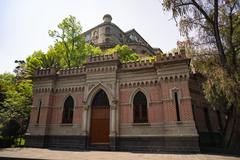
{"x": 234, "y": 115}
{"x": 229, "y": 116}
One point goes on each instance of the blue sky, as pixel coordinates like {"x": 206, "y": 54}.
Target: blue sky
{"x": 25, "y": 23}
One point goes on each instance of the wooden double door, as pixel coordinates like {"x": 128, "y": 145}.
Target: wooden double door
{"x": 99, "y": 129}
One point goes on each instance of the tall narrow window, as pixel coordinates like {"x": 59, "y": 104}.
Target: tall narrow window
{"x": 140, "y": 108}
{"x": 68, "y": 110}
{"x": 176, "y": 97}
{"x": 107, "y": 30}
{"x": 39, "y": 110}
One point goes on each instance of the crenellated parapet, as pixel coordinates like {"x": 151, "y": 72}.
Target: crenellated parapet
{"x": 167, "y": 58}
{"x": 72, "y": 71}
{"x": 173, "y": 67}
{"x": 137, "y": 65}
{"x": 109, "y": 64}
{"x": 45, "y": 72}
{"x": 102, "y": 58}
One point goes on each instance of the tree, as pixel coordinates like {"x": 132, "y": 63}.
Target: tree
{"x": 14, "y": 105}
{"x": 124, "y": 52}
{"x": 70, "y": 42}
{"x": 215, "y": 29}
{"x": 209, "y": 19}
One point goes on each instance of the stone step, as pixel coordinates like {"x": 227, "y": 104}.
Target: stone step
{"x": 99, "y": 147}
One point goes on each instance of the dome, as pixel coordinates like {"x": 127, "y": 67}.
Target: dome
{"x": 107, "y": 18}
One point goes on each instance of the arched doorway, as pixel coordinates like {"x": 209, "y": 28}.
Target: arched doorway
{"x": 99, "y": 129}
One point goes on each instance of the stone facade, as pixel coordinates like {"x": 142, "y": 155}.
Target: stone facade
{"x": 167, "y": 128}
{"x": 107, "y": 35}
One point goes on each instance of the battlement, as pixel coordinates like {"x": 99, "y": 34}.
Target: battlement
{"x": 102, "y": 58}
{"x": 137, "y": 65}
{"x": 171, "y": 57}
{"x": 72, "y": 71}
{"x": 45, "y": 72}
{"x": 160, "y": 58}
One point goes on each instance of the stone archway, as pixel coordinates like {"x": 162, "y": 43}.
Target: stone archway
{"x": 100, "y": 119}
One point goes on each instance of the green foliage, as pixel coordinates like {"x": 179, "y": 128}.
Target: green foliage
{"x": 91, "y": 50}
{"x": 216, "y": 44}
{"x": 124, "y": 52}
{"x": 220, "y": 88}
{"x": 16, "y": 99}
{"x": 70, "y": 42}
{"x": 70, "y": 49}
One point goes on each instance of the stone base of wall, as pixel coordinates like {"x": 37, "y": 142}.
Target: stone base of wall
{"x": 35, "y": 141}
{"x": 143, "y": 144}
{"x": 58, "y": 142}
{"x": 159, "y": 144}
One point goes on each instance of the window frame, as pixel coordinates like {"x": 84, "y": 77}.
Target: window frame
{"x": 69, "y": 118}
{"x": 144, "y": 119}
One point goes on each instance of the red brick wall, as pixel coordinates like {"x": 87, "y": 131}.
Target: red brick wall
{"x": 52, "y": 108}
{"x": 161, "y": 106}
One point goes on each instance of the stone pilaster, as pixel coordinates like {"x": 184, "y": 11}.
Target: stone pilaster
{"x": 113, "y": 125}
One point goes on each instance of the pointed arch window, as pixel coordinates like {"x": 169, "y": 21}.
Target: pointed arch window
{"x": 140, "y": 113}
{"x": 100, "y": 99}
{"x": 68, "y": 110}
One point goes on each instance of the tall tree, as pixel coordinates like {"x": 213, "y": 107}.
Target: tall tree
{"x": 214, "y": 22}
{"x": 15, "y": 102}
{"x": 214, "y": 28}
{"x": 70, "y": 41}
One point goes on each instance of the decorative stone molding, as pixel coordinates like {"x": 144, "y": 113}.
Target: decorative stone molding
{"x": 172, "y": 77}
{"x": 43, "y": 90}
{"x": 59, "y": 90}
{"x": 86, "y": 107}
{"x": 70, "y": 89}
{"x": 139, "y": 83}
{"x": 72, "y": 71}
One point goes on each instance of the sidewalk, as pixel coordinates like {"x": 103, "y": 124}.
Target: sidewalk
{"x": 35, "y": 153}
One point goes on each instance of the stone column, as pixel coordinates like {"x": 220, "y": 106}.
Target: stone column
{"x": 84, "y": 124}
{"x": 113, "y": 125}
{"x": 84, "y": 120}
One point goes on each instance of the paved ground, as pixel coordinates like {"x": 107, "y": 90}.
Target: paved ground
{"x": 33, "y": 153}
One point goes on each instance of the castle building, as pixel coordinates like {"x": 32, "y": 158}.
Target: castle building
{"x": 107, "y": 35}
{"x": 134, "y": 106}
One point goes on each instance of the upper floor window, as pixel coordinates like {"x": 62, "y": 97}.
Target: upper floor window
{"x": 68, "y": 110}
{"x": 88, "y": 37}
{"x": 95, "y": 35}
{"x": 107, "y": 30}
{"x": 140, "y": 108}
